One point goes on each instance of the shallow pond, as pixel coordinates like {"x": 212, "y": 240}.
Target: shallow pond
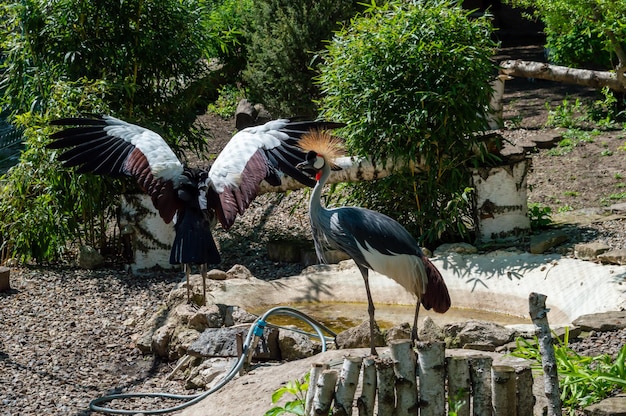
{"x": 339, "y": 316}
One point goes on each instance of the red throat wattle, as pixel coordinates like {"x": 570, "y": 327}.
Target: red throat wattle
{"x": 318, "y": 175}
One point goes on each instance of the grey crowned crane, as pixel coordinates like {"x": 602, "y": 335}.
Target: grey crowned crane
{"x": 373, "y": 240}
{"x": 191, "y": 198}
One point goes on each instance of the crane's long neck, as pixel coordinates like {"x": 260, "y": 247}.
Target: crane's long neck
{"x": 315, "y": 204}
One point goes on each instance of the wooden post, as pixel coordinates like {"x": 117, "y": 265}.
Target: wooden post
{"x": 346, "y": 387}
{"x": 365, "y": 403}
{"x": 325, "y": 392}
{"x": 404, "y": 362}
{"x": 5, "y": 281}
{"x": 480, "y": 375}
{"x": 385, "y": 384}
{"x": 525, "y": 397}
{"x": 314, "y": 375}
{"x": 432, "y": 376}
{"x": 539, "y": 314}
{"x": 503, "y": 388}
{"x": 459, "y": 386}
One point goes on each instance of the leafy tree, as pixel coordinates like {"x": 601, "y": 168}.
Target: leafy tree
{"x": 138, "y": 60}
{"x": 411, "y": 79}
{"x": 44, "y": 207}
{"x": 583, "y": 32}
{"x": 282, "y": 43}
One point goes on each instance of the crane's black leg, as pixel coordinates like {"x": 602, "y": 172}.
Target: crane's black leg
{"x": 414, "y": 336}
{"x": 187, "y": 271}
{"x": 370, "y": 310}
{"x": 203, "y": 272}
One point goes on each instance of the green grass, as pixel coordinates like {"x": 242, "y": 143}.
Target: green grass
{"x": 582, "y": 380}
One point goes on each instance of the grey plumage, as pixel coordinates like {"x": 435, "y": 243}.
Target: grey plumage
{"x": 373, "y": 240}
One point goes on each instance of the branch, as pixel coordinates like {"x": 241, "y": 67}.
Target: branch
{"x": 539, "y": 315}
{"x": 584, "y": 77}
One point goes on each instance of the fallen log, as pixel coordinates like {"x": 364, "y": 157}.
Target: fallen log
{"x": 576, "y": 76}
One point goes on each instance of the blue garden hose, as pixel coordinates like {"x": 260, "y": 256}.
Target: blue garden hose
{"x": 252, "y": 338}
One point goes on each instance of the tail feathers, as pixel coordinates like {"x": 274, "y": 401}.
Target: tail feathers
{"x": 194, "y": 242}
{"x": 436, "y": 296}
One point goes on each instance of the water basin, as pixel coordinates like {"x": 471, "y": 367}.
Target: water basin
{"x": 339, "y": 316}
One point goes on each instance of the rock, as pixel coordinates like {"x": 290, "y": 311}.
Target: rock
{"x": 430, "y": 331}
{"x": 295, "y": 346}
{"x": 541, "y": 243}
{"x": 217, "y": 274}
{"x": 209, "y": 372}
{"x": 613, "y": 257}
{"x": 89, "y": 258}
{"x": 479, "y": 335}
{"x": 458, "y": 248}
{"x": 590, "y": 251}
{"x": 529, "y": 330}
{"x": 359, "y": 337}
{"x": 402, "y": 331}
{"x": 613, "y": 406}
{"x": 236, "y": 315}
{"x": 222, "y": 342}
{"x": 288, "y": 250}
{"x": 602, "y": 322}
{"x": 239, "y": 272}
{"x": 209, "y": 316}
{"x": 160, "y": 345}
{"x": 245, "y": 115}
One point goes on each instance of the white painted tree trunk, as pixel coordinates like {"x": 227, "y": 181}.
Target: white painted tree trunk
{"x": 525, "y": 397}
{"x": 385, "y": 383}
{"x": 459, "y": 386}
{"x": 365, "y": 402}
{"x": 480, "y": 374}
{"x": 325, "y": 392}
{"x": 314, "y": 375}
{"x": 503, "y": 388}
{"x": 432, "y": 378}
{"x": 404, "y": 363}
{"x": 353, "y": 169}
{"x": 346, "y": 386}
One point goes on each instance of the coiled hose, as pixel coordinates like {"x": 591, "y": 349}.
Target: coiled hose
{"x": 254, "y": 334}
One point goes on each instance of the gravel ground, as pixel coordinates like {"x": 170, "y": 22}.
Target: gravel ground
{"x": 67, "y": 334}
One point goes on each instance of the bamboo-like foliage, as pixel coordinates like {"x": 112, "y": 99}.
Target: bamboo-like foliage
{"x": 411, "y": 79}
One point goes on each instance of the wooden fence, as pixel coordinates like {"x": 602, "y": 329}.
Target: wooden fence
{"x": 426, "y": 383}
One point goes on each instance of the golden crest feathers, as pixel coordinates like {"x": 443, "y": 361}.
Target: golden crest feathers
{"x": 323, "y": 143}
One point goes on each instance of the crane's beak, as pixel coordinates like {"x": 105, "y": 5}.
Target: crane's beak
{"x": 303, "y": 165}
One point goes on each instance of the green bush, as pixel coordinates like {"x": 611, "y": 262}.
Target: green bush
{"x": 282, "y": 41}
{"x": 581, "y": 33}
{"x": 148, "y": 54}
{"x": 43, "y": 207}
{"x": 411, "y": 79}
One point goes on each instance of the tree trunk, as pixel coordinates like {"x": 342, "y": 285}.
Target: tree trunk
{"x": 459, "y": 385}
{"x": 365, "y": 402}
{"x": 480, "y": 374}
{"x": 584, "y": 77}
{"x": 503, "y": 388}
{"x": 346, "y": 387}
{"x": 314, "y": 375}
{"x": 353, "y": 169}
{"x": 404, "y": 363}
{"x": 384, "y": 381}
{"x": 432, "y": 377}
{"x": 325, "y": 392}
{"x": 539, "y": 315}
